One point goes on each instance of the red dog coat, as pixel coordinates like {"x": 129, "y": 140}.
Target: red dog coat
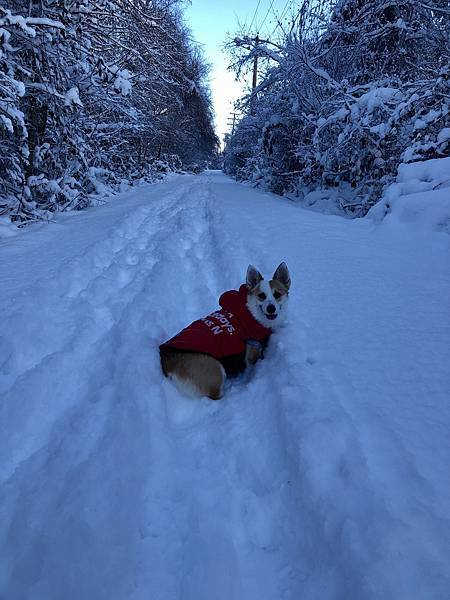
{"x": 222, "y": 334}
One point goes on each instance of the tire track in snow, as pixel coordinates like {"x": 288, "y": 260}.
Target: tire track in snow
{"x": 282, "y": 416}
{"x": 227, "y": 453}
{"x": 321, "y": 453}
{"x": 261, "y": 465}
{"x": 108, "y": 407}
{"x": 65, "y": 288}
{"x": 83, "y": 322}
{"x": 205, "y": 555}
{"x": 340, "y": 521}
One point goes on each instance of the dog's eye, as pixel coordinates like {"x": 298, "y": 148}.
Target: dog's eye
{"x": 277, "y": 295}
{"x": 262, "y": 296}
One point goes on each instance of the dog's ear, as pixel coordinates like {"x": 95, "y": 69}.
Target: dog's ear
{"x": 282, "y": 275}
{"x": 253, "y": 277}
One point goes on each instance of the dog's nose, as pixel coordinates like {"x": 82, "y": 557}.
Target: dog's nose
{"x": 271, "y": 309}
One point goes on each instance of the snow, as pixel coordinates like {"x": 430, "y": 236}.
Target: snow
{"x": 122, "y": 82}
{"x": 7, "y": 229}
{"x": 72, "y": 96}
{"x": 322, "y": 474}
{"x": 7, "y": 123}
{"x": 420, "y": 196}
{"x": 444, "y": 135}
{"x": 21, "y": 22}
{"x": 434, "y": 171}
{"x": 420, "y": 124}
{"x": 377, "y": 97}
{"x": 20, "y": 87}
{"x": 24, "y": 23}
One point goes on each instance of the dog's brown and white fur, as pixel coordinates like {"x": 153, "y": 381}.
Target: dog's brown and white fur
{"x": 203, "y": 375}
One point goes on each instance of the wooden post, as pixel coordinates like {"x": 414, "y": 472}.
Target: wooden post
{"x": 255, "y": 66}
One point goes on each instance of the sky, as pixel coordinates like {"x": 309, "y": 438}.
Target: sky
{"x": 210, "y": 22}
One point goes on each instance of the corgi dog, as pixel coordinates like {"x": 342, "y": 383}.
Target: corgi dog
{"x": 224, "y": 343}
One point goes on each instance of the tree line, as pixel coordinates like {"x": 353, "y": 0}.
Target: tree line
{"x": 94, "y": 93}
{"x": 349, "y": 90}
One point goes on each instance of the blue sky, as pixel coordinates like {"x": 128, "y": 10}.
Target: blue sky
{"x": 210, "y": 22}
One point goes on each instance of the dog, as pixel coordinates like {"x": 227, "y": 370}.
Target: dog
{"x": 223, "y": 344}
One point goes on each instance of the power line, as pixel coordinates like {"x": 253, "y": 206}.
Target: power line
{"x": 286, "y": 6}
{"x": 280, "y": 18}
{"x": 254, "y": 15}
{"x": 267, "y": 14}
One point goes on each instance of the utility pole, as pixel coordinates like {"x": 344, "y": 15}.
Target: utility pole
{"x": 255, "y": 64}
{"x": 232, "y": 122}
{"x": 252, "y": 44}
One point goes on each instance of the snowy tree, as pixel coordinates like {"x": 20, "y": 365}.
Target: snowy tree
{"x": 353, "y": 88}
{"x": 18, "y": 133}
{"x": 93, "y": 92}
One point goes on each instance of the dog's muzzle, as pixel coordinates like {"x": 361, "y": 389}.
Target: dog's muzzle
{"x": 271, "y": 313}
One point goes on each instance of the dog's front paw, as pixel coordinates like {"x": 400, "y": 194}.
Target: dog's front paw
{"x": 253, "y": 352}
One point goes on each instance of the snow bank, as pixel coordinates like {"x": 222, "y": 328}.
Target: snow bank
{"x": 7, "y": 229}
{"x": 420, "y": 196}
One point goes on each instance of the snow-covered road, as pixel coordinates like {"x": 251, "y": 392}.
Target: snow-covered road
{"x": 323, "y": 475}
